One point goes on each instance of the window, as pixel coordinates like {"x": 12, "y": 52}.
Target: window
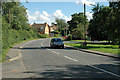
{"x": 41, "y": 28}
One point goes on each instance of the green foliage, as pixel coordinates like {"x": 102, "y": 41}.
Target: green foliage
{"x": 79, "y": 32}
{"x": 15, "y": 14}
{"x": 76, "y": 25}
{"x": 98, "y": 25}
{"x": 18, "y": 30}
{"x": 87, "y": 37}
{"x": 56, "y": 35}
{"x": 61, "y": 26}
{"x": 105, "y": 24}
{"x": 43, "y": 35}
{"x": 69, "y": 37}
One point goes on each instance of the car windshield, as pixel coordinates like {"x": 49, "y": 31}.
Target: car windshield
{"x": 57, "y": 40}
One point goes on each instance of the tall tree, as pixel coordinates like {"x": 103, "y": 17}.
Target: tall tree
{"x": 76, "y": 24}
{"x": 61, "y": 23}
{"x": 98, "y": 28}
{"x": 15, "y": 13}
{"x": 105, "y": 24}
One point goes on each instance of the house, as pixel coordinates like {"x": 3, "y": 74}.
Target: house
{"x": 42, "y": 28}
{"x": 53, "y": 28}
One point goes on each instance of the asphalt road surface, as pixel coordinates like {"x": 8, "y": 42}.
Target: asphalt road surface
{"x": 40, "y": 61}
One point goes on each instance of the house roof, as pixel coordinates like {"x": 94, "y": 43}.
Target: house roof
{"x": 40, "y": 25}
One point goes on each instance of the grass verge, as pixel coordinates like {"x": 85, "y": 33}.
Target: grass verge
{"x": 98, "y": 47}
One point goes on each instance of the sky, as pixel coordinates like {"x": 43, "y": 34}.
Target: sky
{"x": 41, "y": 12}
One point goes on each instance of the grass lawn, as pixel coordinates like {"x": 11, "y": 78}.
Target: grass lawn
{"x": 86, "y": 41}
{"x": 98, "y": 47}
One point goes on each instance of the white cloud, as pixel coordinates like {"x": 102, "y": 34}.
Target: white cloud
{"x": 37, "y": 13}
{"x": 30, "y": 17}
{"x": 45, "y": 17}
{"x": 67, "y": 18}
{"x": 87, "y": 2}
{"x": 45, "y": 13}
{"x": 58, "y": 14}
{"x": 89, "y": 15}
{"x": 77, "y": 2}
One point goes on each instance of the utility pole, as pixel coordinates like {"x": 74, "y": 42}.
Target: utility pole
{"x": 85, "y": 23}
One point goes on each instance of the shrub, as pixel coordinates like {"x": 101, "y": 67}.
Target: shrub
{"x": 43, "y": 35}
{"x": 56, "y": 35}
{"x": 69, "y": 37}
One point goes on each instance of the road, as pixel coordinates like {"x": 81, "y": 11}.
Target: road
{"x": 40, "y": 61}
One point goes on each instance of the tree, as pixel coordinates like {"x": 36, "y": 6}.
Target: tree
{"x": 61, "y": 26}
{"x": 98, "y": 29}
{"x": 15, "y": 26}
{"x": 115, "y": 21}
{"x": 105, "y": 24}
{"x": 76, "y": 24}
{"x": 15, "y": 13}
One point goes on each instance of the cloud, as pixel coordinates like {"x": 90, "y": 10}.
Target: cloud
{"x": 37, "y": 13}
{"x": 45, "y": 13}
{"x": 30, "y": 17}
{"x": 77, "y": 2}
{"x": 58, "y": 14}
{"x": 87, "y": 2}
{"x": 45, "y": 17}
{"x": 89, "y": 15}
{"x": 67, "y": 18}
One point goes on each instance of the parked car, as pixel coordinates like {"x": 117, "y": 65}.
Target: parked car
{"x": 56, "y": 42}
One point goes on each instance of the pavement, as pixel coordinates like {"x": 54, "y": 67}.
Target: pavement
{"x": 13, "y": 52}
{"x": 36, "y": 59}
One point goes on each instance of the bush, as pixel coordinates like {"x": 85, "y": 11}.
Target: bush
{"x": 87, "y": 37}
{"x": 69, "y": 37}
{"x": 11, "y": 36}
{"x": 43, "y": 35}
{"x": 56, "y": 35}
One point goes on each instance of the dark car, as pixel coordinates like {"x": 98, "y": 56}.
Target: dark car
{"x": 56, "y": 42}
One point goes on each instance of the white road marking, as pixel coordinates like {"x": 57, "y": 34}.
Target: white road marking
{"x": 15, "y": 58}
{"x": 26, "y": 43}
{"x": 71, "y": 58}
{"x": 55, "y": 52}
{"x": 104, "y": 70}
{"x": 48, "y": 49}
